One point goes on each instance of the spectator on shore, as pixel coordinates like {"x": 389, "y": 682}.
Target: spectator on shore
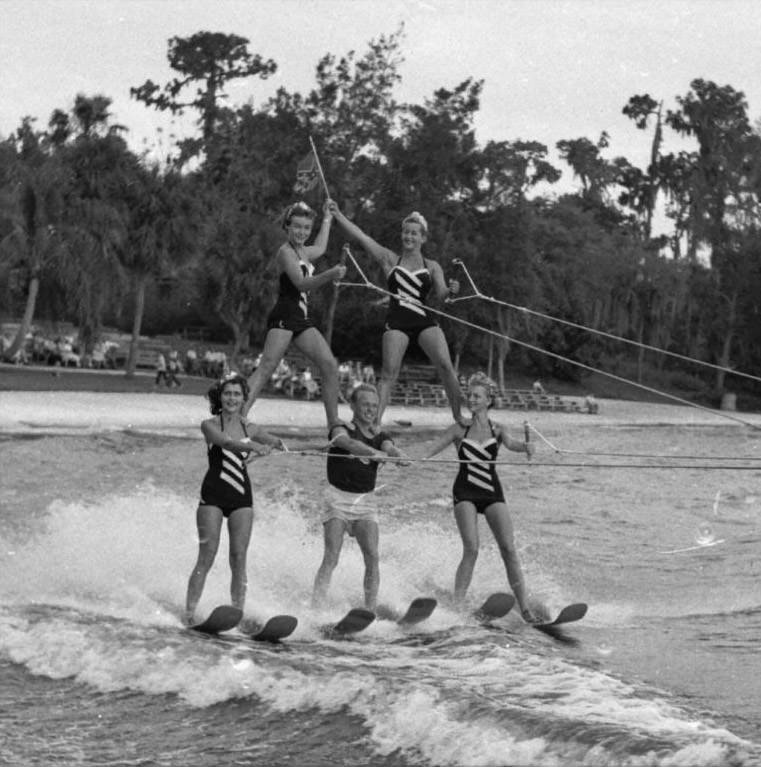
{"x": 98, "y": 356}
{"x": 161, "y": 376}
{"x": 592, "y": 405}
{"x": 281, "y": 376}
{"x": 368, "y": 374}
{"x": 173, "y": 369}
{"x": 537, "y": 388}
{"x": 191, "y": 362}
{"x": 308, "y": 384}
{"x": 111, "y": 351}
{"x": 344, "y": 372}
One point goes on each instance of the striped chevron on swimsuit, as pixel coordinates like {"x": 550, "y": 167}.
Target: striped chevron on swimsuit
{"x": 233, "y": 470}
{"x": 409, "y": 288}
{"x": 306, "y": 270}
{"x": 479, "y": 474}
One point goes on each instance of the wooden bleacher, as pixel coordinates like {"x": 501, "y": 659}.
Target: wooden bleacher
{"x": 527, "y": 399}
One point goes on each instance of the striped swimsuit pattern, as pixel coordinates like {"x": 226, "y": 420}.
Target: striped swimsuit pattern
{"x": 478, "y": 482}
{"x": 233, "y": 471}
{"x": 409, "y": 288}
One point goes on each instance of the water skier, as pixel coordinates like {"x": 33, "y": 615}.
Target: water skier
{"x": 226, "y": 488}
{"x": 477, "y": 490}
{"x": 410, "y": 278}
{"x": 289, "y": 319}
{"x": 351, "y": 506}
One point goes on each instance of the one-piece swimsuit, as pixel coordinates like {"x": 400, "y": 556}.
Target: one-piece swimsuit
{"x": 478, "y": 482}
{"x": 226, "y": 484}
{"x": 407, "y": 311}
{"x": 291, "y": 312}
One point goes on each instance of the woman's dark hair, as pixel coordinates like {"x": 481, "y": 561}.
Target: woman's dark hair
{"x": 297, "y": 209}
{"x": 214, "y": 395}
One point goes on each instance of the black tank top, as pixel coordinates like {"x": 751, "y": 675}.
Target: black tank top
{"x": 354, "y": 475}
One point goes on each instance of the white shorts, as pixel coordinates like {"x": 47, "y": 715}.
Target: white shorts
{"x": 350, "y": 507}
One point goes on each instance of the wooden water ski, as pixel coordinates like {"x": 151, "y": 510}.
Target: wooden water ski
{"x": 497, "y": 605}
{"x": 420, "y": 609}
{"x": 222, "y": 618}
{"x": 354, "y": 621}
{"x": 568, "y": 614}
{"x": 275, "y": 629}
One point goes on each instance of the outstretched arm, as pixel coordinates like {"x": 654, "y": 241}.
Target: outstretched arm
{"x": 215, "y": 436}
{"x": 257, "y": 434}
{"x": 385, "y": 257}
{"x": 355, "y": 447}
{"x": 455, "y": 431}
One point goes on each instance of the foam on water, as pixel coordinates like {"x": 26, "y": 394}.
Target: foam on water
{"x": 449, "y": 709}
{"x": 90, "y": 596}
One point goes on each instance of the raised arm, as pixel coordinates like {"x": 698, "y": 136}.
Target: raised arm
{"x": 288, "y": 262}
{"x": 320, "y": 245}
{"x": 385, "y": 257}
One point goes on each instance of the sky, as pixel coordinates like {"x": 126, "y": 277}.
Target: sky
{"x": 552, "y": 69}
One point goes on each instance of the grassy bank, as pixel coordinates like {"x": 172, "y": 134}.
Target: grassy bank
{"x": 32, "y": 378}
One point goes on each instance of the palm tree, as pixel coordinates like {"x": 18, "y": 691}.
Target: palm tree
{"x": 33, "y": 215}
{"x": 162, "y": 236}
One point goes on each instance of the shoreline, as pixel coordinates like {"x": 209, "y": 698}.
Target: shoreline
{"x": 85, "y": 412}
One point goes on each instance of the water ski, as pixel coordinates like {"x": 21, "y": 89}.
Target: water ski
{"x": 222, "y": 618}
{"x": 419, "y": 610}
{"x": 354, "y": 621}
{"x": 275, "y": 629}
{"x": 568, "y": 614}
{"x": 497, "y": 605}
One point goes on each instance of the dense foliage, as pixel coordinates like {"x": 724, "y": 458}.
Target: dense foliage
{"x": 94, "y": 234}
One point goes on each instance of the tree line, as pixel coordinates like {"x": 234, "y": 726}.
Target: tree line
{"x": 94, "y": 233}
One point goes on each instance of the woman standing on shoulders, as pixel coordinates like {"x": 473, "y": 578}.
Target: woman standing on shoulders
{"x": 289, "y": 319}
{"x": 477, "y": 490}
{"x": 410, "y": 278}
{"x": 226, "y": 488}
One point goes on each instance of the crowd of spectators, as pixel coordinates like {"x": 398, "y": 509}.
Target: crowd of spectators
{"x": 289, "y": 378}
{"x": 61, "y": 350}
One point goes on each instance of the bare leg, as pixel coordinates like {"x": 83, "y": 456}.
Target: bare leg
{"x": 333, "y": 531}
{"x": 312, "y": 343}
{"x": 434, "y": 344}
{"x": 502, "y": 527}
{"x": 394, "y": 347}
{"x": 467, "y": 523}
{"x": 239, "y": 525}
{"x": 275, "y": 346}
{"x": 209, "y": 523}
{"x": 366, "y": 533}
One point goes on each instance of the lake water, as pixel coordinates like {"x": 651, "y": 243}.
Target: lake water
{"x": 97, "y": 538}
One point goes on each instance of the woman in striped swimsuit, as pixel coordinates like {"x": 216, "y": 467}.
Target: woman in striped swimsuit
{"x": 410, "y": 277}
{"x": 477, "y": 490}
{"x": 289, "y": 320}
{"x": 226, "y": 489}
